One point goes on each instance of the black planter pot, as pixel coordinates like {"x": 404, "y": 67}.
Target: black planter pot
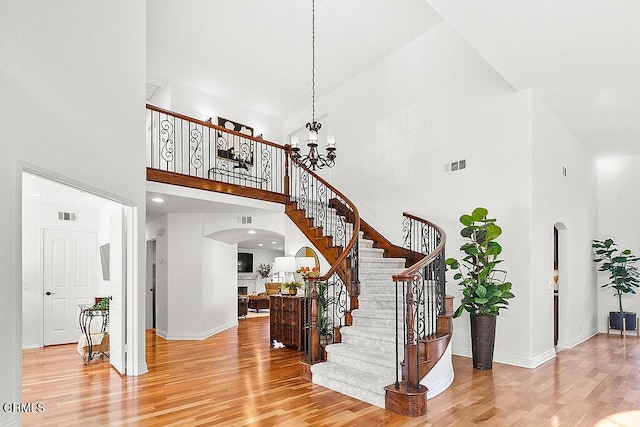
{"x": 615, "y": 320}
{"x": 483, "y": 336}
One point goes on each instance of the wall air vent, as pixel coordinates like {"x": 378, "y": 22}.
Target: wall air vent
{"x": 244, "y": 220}
{"x": 455, "y": 166}
{"x": 67, "y": 216}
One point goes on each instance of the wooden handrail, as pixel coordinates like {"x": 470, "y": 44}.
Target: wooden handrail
{"x": 410, "y": 273}
{"x": 356, "y": 222}
{"x": 212, "y": 126}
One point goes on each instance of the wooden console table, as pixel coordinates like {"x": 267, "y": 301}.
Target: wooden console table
{"x": 286, "y": 323}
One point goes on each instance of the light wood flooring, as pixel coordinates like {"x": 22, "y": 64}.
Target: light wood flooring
{"x": 236, "y": 379}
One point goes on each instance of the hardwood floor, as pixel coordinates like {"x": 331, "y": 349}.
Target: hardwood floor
{"x": 235, "y": 378}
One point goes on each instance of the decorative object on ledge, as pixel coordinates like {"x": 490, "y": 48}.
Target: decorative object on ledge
{"x": 623, "y": 277}
{"x": 314, "y": 159}
{"x": 233, "y": 147}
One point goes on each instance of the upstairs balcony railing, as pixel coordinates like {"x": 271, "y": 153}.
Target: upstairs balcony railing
{"x": 187, "y": 146}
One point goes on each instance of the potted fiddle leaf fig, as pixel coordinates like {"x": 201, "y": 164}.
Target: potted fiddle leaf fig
{"x": 623, "y": 278}
{"x": 484, "y": 289}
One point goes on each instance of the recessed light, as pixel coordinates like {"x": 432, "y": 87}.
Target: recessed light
{"x": 251, "y": 231}
{"x": 157, "y": 200}
{"x": 274, "y": 242}
{"x": 260, "y": 244}
{"x": 36, "y": 194}
{"x": 279, "y": 248}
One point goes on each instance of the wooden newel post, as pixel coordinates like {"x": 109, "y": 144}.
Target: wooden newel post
{"x": 315, "y": 332}
{"x": 410, "y": 349}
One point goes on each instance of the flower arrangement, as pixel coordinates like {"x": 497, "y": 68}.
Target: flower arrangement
{"x": 264, "y": 270}
{"x": 309, "y": 272}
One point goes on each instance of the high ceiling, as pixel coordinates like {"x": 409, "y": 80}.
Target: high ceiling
{"x": 581, "y": 56}
{"x": 260, "y": 51}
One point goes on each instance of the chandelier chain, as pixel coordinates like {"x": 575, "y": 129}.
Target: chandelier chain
{"x": 313, "y": 61}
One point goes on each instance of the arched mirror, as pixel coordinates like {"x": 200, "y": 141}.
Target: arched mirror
{"x": 307, "y": 257}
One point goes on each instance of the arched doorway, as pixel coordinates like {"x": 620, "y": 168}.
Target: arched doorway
{"x": 560, "y": 276}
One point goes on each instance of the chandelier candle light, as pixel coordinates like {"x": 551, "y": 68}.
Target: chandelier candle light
{"x": 314, "y": 159}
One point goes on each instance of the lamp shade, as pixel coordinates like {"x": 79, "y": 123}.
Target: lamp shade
{"x": 284, "y": 264}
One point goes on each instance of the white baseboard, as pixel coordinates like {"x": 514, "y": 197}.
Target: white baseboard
{"x": 522, "y": 362}
{"x": 162, "y": 334}
{"x": 195, "y": 336}
{"x": 31, "y": 346}
{"x": 440, "y": 386}
{"x": 567, "y": 344}
{"x": 142, "y": 369}
{"x": 219, "y": 329}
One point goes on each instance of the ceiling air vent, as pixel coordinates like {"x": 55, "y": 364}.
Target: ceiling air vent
{"x": 67, "y": 216}
{"x": 244, "y": 220}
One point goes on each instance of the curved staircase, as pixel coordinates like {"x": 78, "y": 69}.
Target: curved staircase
{"x": 390, "y": 319}
{"x": 365, "y": 362}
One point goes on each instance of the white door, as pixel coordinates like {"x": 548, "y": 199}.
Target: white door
{"x": 117, "y": 285}
{"x": 70, "y": 274}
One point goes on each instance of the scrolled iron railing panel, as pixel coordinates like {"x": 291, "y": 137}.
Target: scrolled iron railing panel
{"x": 420, "y": 294}
{"x": 184, "y": 145}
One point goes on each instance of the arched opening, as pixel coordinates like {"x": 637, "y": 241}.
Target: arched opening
{"x": 560, "y": 278}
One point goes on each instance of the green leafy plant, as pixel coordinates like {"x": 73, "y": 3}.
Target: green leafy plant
{"x": 484, "y": 290}
{"x": 623, "y": 274}
{"x": 323, "y": 308}
{"x": 292, "y": 285}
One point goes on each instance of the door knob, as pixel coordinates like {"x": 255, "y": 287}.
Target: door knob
{"x": 49, "y": 293}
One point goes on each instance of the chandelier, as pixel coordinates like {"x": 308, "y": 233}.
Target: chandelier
{"x": 314, "y": 159}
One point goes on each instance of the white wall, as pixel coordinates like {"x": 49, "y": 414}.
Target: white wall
{"x": 201, "y": 277}
{"x": 434, "y": 101}
{"x": 35, "y": 218}
{"x": 73, "y": 106}
{"x": 572, "y": 201}
{"x": 191, "y": 102}
{"x": 219, "y": 291}
{"x": 618, "y": 203}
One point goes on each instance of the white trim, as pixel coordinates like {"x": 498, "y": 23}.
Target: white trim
{"x": 195, "y": 336}
{"x": 563, "y": 345}
{"x": 132, "y": 314}
{"x": 219, "y": 329}
{"x": 543, "y": 358}
{"x": 522, "y": 362}
{"x": 441, "y": 385}
{"x": 461, "y": 351}
{"x": 162, "y": 334}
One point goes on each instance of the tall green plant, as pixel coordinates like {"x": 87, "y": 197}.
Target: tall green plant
{"x": 483, "y": 292}
{"x": 323, "y": 308}
{"x": 623, "y": 275}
